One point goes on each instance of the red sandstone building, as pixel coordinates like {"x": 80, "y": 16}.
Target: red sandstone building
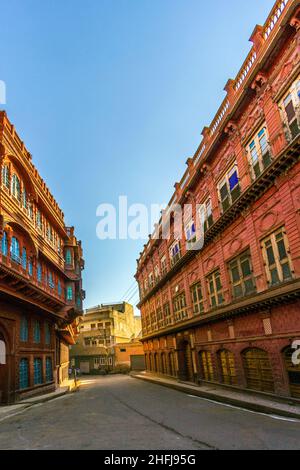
{"x": 40, "y": 277}
{"x": 230, "y": 312}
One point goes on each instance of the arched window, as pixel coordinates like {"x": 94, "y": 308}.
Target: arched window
{"x": 258, "y": 370}
{"x": 39, "y": 272}
{"x": 2, "y": 352}
{"x": 24, "y": 258}
{"x": 23, "y": 374}
{"x": 38, "y": 372}
{"x": 4, "y": 244}
{"x": 24, "y": 329}
{"x": 49, "y": 374}
{"x": 15, "y": 250}
{"x": 68, "y": 257}
{"x": 16, "y": 187}
{"x": 5, "y": 176}
{"x": 207, "y": 370}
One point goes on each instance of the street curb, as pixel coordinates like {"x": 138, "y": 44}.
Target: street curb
{"x": 44, "y": 399}
{"x": 14, "y": 413}
{"x": 221, "y": 399}
{"x": 25, "y": 405}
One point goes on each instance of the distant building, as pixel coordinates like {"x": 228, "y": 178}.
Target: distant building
{"x": 40, "y": 277}
{"x": 130, "y": 355}
{"x": 100, "y": 329}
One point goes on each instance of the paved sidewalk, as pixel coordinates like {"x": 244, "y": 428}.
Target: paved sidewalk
{"x": 12, "y": 410}
{"x": 251, "y": 401}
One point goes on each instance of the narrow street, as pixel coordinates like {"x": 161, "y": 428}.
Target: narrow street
{"x": 120, "y": 412}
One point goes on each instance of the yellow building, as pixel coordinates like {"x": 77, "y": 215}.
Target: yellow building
{"x": 100, "y": 329}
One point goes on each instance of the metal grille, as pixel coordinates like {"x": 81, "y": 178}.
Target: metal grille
{"x": 49, "y": 374}
{"x": 23, "y": 374}
{"x": 38, "y": 372}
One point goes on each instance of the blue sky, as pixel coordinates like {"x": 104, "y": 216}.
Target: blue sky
{"x": 111, "y": 96}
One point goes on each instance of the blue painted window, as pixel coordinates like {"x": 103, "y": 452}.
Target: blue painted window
{"x": 51, "y": 282}
{"x": 4, "y": 244}
{"x": 23, "y": 374}
{"x": 24, "y": 329}
{"x": 16, "y": 187}
{"x": 24, "y": 258}
{"x": 59, "y": 288}
{"x": 38, "y": 374}
{"x": 47, "y": 333}
{"x": 15, "y": 250}
{"x": 69, "y": 293}
{"x": 233, "y": 180}
{"x": 39, "y": 272}
{"x": 175, "y": 249}
{"x": 5, "y": 176}
{"x": 190, "y": 231}
{"x": 30, "y": 267}
{"x": 36, "y": 332}
{"x": 68, "y": 257}
{"x": 49, "y": 374}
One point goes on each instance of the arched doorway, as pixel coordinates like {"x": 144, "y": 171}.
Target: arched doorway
{"x": 185, "y": 361}
{"x": 227, "y": 365}
{"x": 156, "y": 368}
{"x": 293, "y": 371}
{"x": 172, "y": 364}
{"x": 207, "y": 369}
{"x": 258, "y": 370}
{"x": 3, "y": 369}
{"x": 147, "y": 362}
{"x": 163, "y": 364}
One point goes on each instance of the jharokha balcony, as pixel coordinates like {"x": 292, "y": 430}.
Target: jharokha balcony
{"x": 40, "y": 258}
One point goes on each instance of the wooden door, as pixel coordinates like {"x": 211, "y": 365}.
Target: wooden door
{"x": 206, "y": 366}
{"x": 189, "y": 363}
{"x": 258, "y": 370}
{"x": 228, "y": 367}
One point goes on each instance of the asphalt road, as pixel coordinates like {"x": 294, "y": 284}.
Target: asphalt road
{"x": 120, "y": 412}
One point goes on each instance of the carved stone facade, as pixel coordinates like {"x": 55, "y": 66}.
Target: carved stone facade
{"x": 230, "y": 312}
{"x": 40, "y": 277}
